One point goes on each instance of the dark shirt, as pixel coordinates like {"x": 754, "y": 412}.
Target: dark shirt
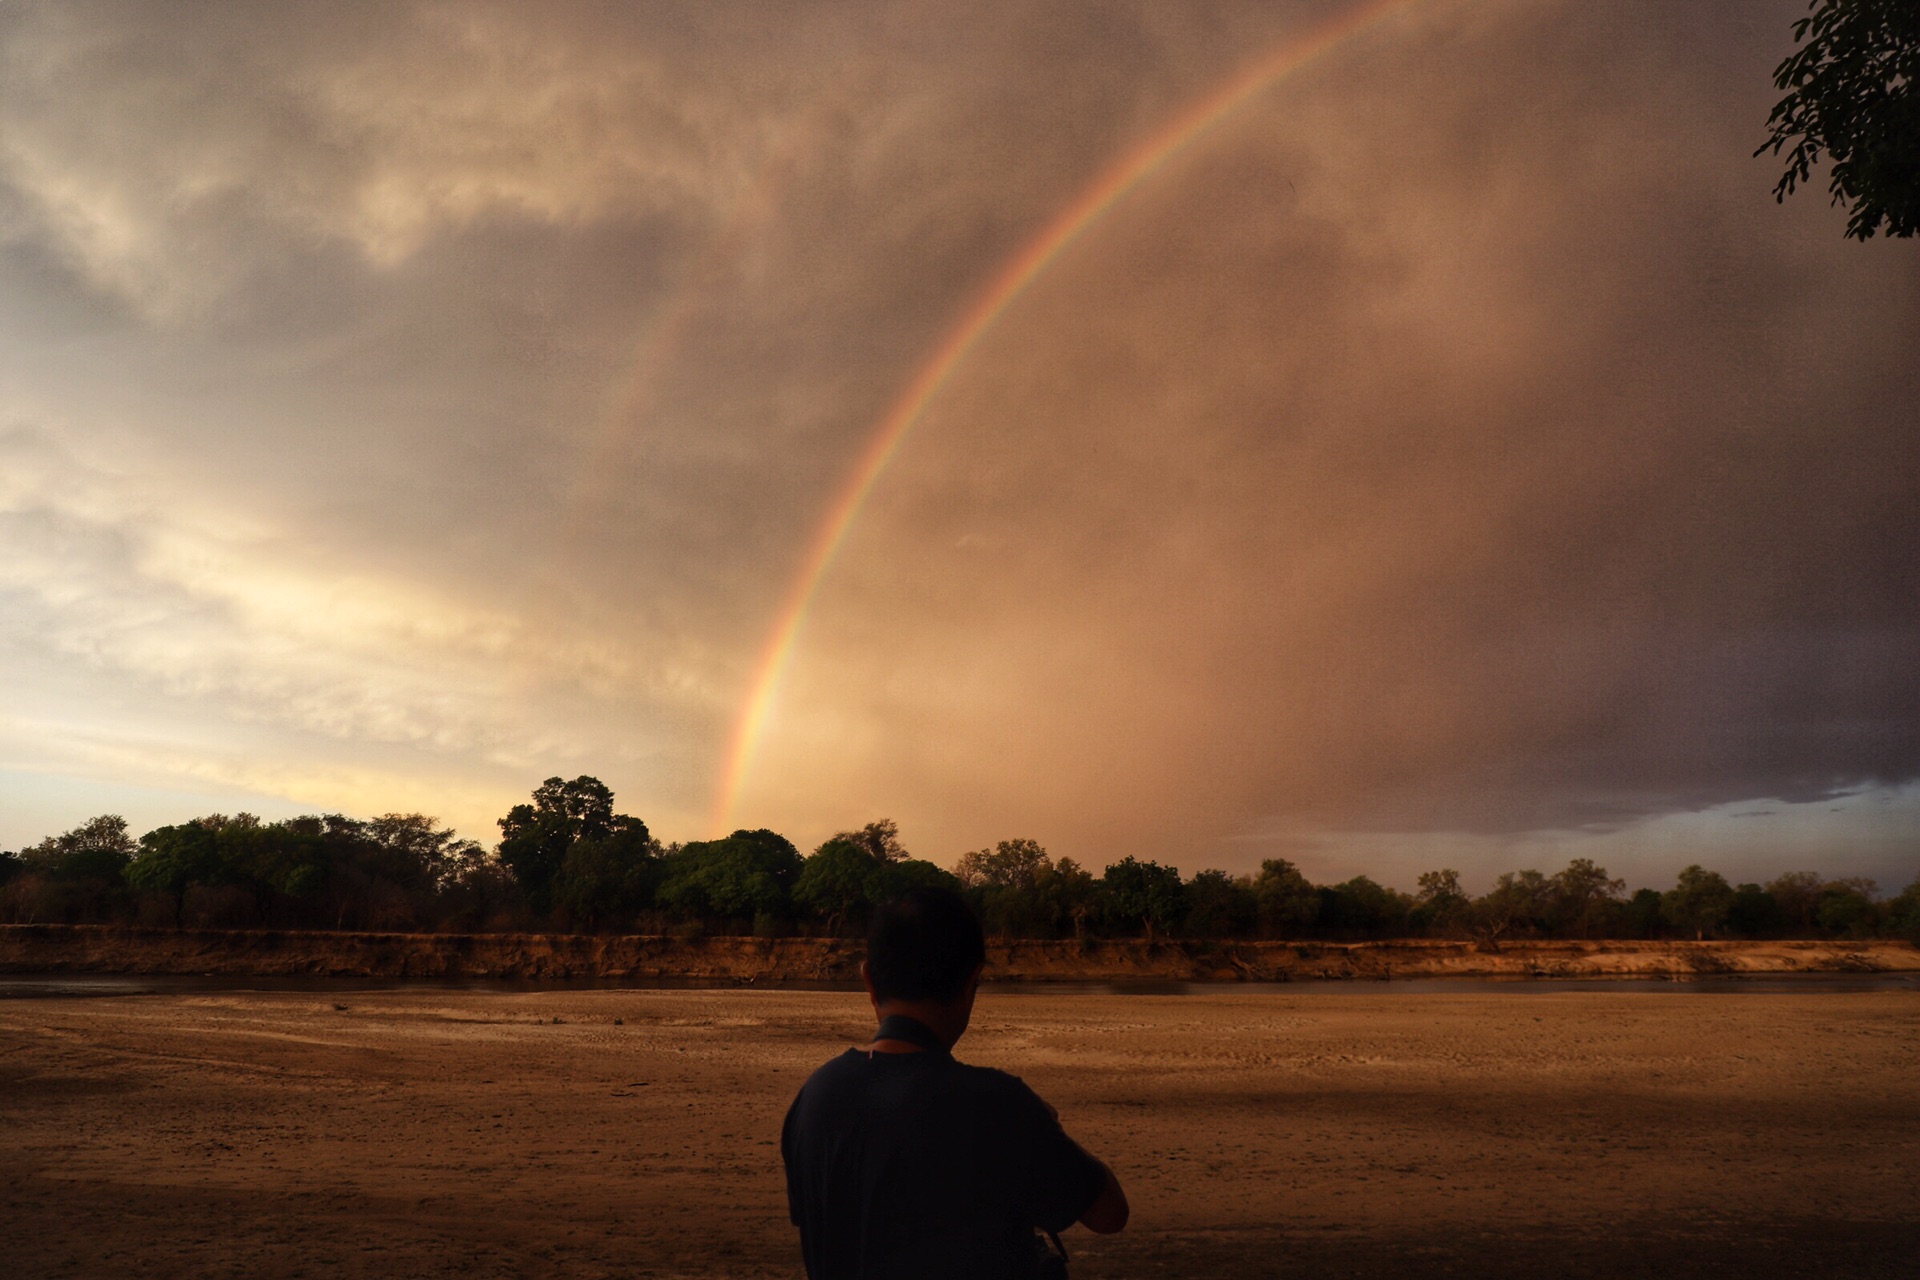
{"x": 914, "y": 1165}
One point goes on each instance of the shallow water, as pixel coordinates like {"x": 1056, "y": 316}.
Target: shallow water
{"x": 70, "y": 985}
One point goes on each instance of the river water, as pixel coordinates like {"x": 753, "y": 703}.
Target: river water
{"x": 70, "y": 985}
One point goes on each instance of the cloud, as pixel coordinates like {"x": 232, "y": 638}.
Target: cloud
{"x": 171, "y": 641}
{"x": 380, "y": 128}
{"x": 1487, "y": 454}
{"x": 1456, "y": 443}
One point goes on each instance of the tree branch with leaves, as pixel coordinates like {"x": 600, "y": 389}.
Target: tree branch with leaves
{"x": 1853, "y": 96}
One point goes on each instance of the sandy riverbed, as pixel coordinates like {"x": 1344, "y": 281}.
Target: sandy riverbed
{"x": 1351, "y": 1133}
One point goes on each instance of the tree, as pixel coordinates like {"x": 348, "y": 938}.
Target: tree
{"x": 1014, "y": 886}
{"x": 379, "y": 874}
{"x": 174, "y": 859}
{"x": 1442, "y": 903}
{"x": 1285, "y": 904}
{"x": 1583, "y": 896}
{"x": 748, "y": 875}
{"x": 1143, "y": 894}
{"x": 1218, "y": 905}
{"x": 1847, "y": 908}
{"x": 609, "y": 877}
{"x": 896, "y": 878}
{"x": 855, "y": 871}
{"x": 1073, "y": 894}
{"x": 1361, "y": 907}
{"x": 418, "y": 852}
{"x": 535, "y": 838}
{"x": 79, "y": 874}
{"x": 98, "y": 848}
{"x": 482, "y": 895}
{"x": 1642, "y": 915}
{"x": 881, "y": 840}
{"x": 1853, "y": 94}
{"x": 1698, "y": 902}
{"x": 1903, "y": 913}
{"x": 1519, "y": 903}
{"x": 1798, "y": 894}
{"x": 1440, "y": 888}
{"x": 1754, "y": 913}
{"x": 840, "y": 881}
{"x": 1011, "y": 864}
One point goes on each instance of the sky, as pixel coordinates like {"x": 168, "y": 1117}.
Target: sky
{"x": 1380, "y": 435}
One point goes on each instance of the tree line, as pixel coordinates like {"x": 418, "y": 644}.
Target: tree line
{"x": 567, "y": 861}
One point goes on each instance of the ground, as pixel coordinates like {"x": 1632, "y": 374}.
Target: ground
{"x": 1326, "y": 1132}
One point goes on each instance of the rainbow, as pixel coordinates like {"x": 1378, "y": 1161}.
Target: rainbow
{"x": 1013, "y": 278}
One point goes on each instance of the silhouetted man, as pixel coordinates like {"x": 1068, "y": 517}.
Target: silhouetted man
{"x": 902, "y": 1162}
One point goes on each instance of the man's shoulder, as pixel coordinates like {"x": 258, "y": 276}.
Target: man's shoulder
{"x": 985, "y": 1084}
{"x": 991, "y": 1079}
{"x": 838, "y": 1067}
{"x": 994, "y": 1086}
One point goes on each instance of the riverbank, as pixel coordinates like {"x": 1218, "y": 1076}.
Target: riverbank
{"x": 773, "y": 961}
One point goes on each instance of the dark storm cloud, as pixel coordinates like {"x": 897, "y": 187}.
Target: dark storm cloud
{"x": 1457, "y": 439}
{"x": 1486, "y": 453}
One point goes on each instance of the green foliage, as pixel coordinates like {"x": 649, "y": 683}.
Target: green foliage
{"x": 1797, "y": 893}
{"x": 96, "y": 850}
{"x": 1441, "y": 905}
{"x": 841, "y": 881}
{"x": 173, "y": 859}
{"x": 393, "y": 872}
{"x": 1847, "y": 909}
{"x": 917, "y": 873}
{"x": 1219, "y": 906}
{"x": 855, "y": 871}
{"x": 1699, "y": 902}
{"x": 1285, "y": 904}
{"x": 1903, "y": 914}
{"x": 536, "y": 838}
{"x": 1583, "y": 899}
{"x": 75, "y": 876}
{"x": 414, "y": 850}
{"x": 1020, "y": 892}
{"x": 406, "y": 871}
{"x": 1853, "y": 95}
{"x": 1520, "y": 904}
{"x": 1441, "y": 889}
{"x": 1361, "y": 908}
{"x": 739, "y": 877}
{"x": 1642, "y": 916}
{"x": 1011, "y": 864}
{"x": 1143, "y": 895}
{"x": 880, "y": 840}
{"x": 1754, "y": 913}
{"x": 611, "y": 878}
{"x": 1072, "y": 896}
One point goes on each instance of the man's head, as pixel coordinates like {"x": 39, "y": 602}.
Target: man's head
{"x": 925, "y": 946}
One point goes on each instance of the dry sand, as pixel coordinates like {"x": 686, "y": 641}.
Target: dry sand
{"x": 1260, "y": 1133}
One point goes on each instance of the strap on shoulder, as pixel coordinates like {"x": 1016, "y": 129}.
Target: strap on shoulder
{"x": 898, "y": 1026}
